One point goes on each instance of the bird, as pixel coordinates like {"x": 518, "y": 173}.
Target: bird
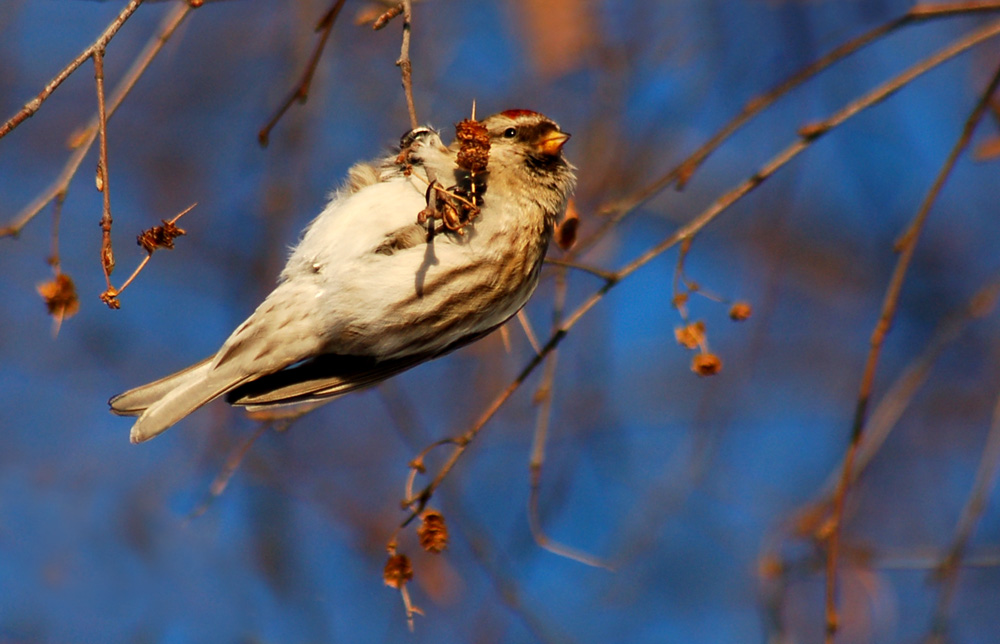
{"x": 417, "y": 254}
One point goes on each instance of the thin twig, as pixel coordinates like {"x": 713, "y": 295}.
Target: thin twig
{"x": 107, "y": 252}
{"x": 405, "y": 68}
{"x": 695, "y": 225}
{"x": 82, "y": 145}
{"x": 54, "y": 258}
{"x": 986, "y": 479}
{"x": 300, "y": 93}
{"x": 898, "y": 396}
{"x": 939, "y": 9}
{"x": 225, "y": 475}
{"x": 34, "y": 104}
{"x": 544, "y": 397}
{"x": 586, "y": 268}
{"x": 683, "y": 172}
{"x": 529, "y": 332}
{"x": 113, "y": 293}
{"x": 810, "y": 521}
{"x": 906, "y": 248}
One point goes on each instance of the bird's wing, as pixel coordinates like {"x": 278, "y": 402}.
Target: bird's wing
{"x": 329, "y": 376}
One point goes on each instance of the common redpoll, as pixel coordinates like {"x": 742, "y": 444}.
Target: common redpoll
{"x": 419, "y": 253}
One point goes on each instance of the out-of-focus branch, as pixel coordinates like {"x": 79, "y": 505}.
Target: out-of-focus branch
{"x": 300, "y": 93}
{"x": 812, "y": 522}
{"x": 98, "y": 45}
{"x": 544, "y": 396}
{"x": 986, "y": 480}
{"x": 906, "y": 247}
{"x": 156, "y": 237}
{"x": 899, "y": 395}
{"x": 107, "y": 252}
{"x": 83, "y": 142}
{"x": 683, "y": 172}
{"x": 405, "y": 68}
{"x": 807, "y": 136}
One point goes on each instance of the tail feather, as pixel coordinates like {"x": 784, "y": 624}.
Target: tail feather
{"x": 135, "y": 401}
{"x": 197, "y": 389}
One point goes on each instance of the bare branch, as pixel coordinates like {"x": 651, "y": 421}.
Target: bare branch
{"x": 107, "y": 253}
{"x": 405, "y": 68}
{"x": 300, "y": 93}
{"x": 808, "y": 136}
{"x": 57, "y": 190}
{"x": 907, "y": 246}
{"x": 102, "y": 41}
{"x": 683, "y": 172}
{"x": 986, "y": 480}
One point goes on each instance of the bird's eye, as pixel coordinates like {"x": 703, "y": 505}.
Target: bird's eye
{"x": 510, "y": 133}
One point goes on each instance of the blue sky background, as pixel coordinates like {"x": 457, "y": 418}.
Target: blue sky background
{"x": 684, "y": 484}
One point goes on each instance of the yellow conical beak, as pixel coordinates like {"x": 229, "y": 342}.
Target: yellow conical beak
{"x": 553, "y": 142}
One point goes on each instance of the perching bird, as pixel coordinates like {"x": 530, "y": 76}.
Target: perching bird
{"x": 369, "y": 292}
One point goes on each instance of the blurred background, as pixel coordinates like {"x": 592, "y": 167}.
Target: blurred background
{"x": 698, "y": 491}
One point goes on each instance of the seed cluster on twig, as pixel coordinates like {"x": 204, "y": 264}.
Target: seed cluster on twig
{"x": 457, "y": 206}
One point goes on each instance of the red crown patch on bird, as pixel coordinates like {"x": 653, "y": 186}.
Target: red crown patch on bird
{"x": 516, "y": 113}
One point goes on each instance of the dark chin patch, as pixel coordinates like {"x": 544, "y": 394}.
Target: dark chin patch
{"x": 544, "y": 164}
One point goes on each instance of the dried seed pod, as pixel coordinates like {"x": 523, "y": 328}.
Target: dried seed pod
{"x": 451, "y": 218}
{"x": 740, "y": 311}
{"x": 159, "y": 236}
{"x": 706, "y": 364}
{"x": 433, "y": 533}
{"x": 398, "y": 571}
{"x": 565, "y": 233}
{"x": 474, "y": 145}
{"x": 691, "y": 336}
{"x": 60, "y": 296}
{"x": 110, "y": 297}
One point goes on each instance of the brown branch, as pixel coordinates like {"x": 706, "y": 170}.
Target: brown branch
{"x": 683, "y": 172}
{"x": 54, "y": 258}
{"x": 58, "y": 189}
{"x": 906, "y": 248}
{"x": 110, "y": 296}
{"x": 986, "y": 479}
{"x": 34, "y": 104}
{"x": 938, "y": 9}
{"x": 107, "y": 252}
{"x": 544, "y": 398}
{"x": 807, "y": 137}
{"x": 529, "y": 332}
{"x": 585, "y": 268}
{"x": 899, "y": 395}
{"x": 300, "y": 93}
{"x": 811, "y": 521}
{"x": 221, "y": 480}
{"x": 405, "y": 68}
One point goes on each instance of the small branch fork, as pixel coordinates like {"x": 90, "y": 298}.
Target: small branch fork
{"x": 906, "y": 247}
{"x": 812, "y": 521}
{"x": 107, "y": 253}
{"x": 416, "y": 501}
{"x": 300, "y": 93}
{"x": 95, "y": 130}
{"x": 947, "y": 569}
{"x": 404, "y": 7}
{"x": 156, "y": 237}
{"x": 405, "y": 68}
{"x": 82, "y": 142}
{"x": 97, "y": 48}
{"x": 682, "y": 173}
